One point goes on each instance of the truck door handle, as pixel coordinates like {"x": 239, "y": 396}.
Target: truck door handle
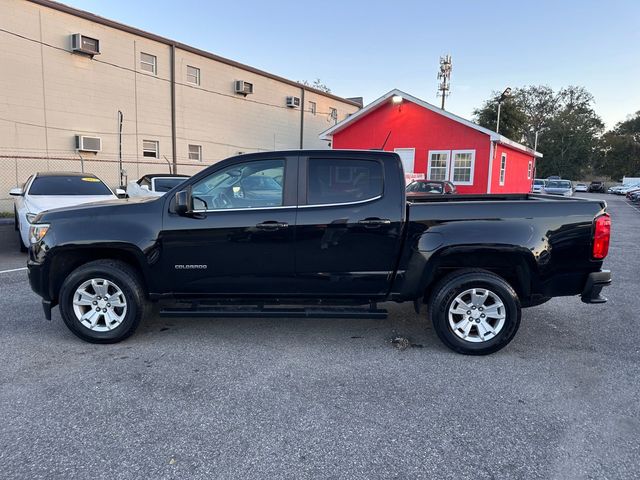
{"x": 271, "y": 225}
{"x": 373, "y": 222}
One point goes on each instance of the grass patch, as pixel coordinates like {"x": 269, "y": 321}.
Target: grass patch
{"x": 6, "y": 214}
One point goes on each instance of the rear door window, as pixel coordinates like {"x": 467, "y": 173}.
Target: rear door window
{"x": 68, "y": 185}
{"x": 343, "y": 180}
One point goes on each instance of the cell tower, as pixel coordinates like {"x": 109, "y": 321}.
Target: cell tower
{"x": 444, "y": 76}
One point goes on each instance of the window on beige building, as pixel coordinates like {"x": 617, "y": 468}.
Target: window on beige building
{"x": 195, "y": 152}
{"x": 313, "y": 108}
{"x": 148, "y": 63}
{"x": 193, "y": 75}
{"x": 333, "y": 114}
{"x": 150, "y": 148}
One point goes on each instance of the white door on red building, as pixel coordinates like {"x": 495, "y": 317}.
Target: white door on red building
{"x": 407, "y": 155}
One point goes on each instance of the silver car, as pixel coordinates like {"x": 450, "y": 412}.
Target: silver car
{"x": 538, "y": 185}
{"x": 558, "y": 187}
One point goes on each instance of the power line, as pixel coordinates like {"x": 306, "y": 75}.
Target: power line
{"x": 143, "y": 134}
{"x": 137, "y": 72}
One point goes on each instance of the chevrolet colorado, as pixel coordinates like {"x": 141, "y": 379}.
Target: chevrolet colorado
{"x": 317, "y": 234}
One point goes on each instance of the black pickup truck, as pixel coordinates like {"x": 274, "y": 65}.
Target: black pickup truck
{"x": 317, "y": 233}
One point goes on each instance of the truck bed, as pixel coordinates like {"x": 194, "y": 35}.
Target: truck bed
{"x": 513, "y": 197}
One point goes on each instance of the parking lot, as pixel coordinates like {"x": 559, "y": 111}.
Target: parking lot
{"x": 291, "y": 398}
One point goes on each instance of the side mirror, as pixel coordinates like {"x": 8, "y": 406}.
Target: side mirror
{"x": 121, "y": 193}
{"x": 183, "y": 202}
{"x": 16, "y": 192}
{"x": 145, "y": 187}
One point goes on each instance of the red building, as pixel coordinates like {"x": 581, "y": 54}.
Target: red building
{"x": 438, "y": 145}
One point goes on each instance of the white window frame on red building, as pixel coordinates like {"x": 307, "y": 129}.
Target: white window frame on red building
{"x": 446, "y": 164}
{"x": 450, "y": 165}
{"x": 503, "y": 168}
{"x": 452, "y": 169}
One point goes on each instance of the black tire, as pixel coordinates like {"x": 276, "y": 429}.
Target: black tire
{"x": 126, "y": 279}
{"x": 452, "y": 285}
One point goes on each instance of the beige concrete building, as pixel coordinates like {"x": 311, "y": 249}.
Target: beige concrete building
{"x": 66, "y": 73}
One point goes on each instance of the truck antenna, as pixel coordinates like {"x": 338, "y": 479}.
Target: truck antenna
{"x": 385, "y": 140}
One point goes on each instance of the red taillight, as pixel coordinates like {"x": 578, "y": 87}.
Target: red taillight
{"x": 601, "y": 236}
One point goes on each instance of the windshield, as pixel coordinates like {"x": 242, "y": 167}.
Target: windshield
{"x": 425, "y": 187}
{"x": 166, "y": 184}
{"x": 68, "y": 185}
{"x": 538, "y": 182}
{"x": 559, "y": 184}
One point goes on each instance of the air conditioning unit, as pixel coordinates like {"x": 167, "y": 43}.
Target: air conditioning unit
{"x": 88, "y": 144}
{"x": 293, "y": 102}
{"x": 83, "y": 44}
{"x": 242, "y": 87}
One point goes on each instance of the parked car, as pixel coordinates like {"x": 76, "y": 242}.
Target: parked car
{"x": 429, "y": 187}
{"x": 631, "y": 193}
{"x": 624, "y": 189}
{"x": 558, "y": 187}
{"x": 596, "y": 186}
{"x": 614, "y": 188}
{"x": 154, "y": 185}
{"x": 48, "y": 190}
{"x": 538, "y": 185}
{"x": 635, "y": 196}
{"x": 581, "y": 187}
{"x": 338, "y": 236}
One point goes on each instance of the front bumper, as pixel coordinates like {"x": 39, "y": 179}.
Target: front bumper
{"x": 39, "y": 284}
{"x": 596, "y": 281}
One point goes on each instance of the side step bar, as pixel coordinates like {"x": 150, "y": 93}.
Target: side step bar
{"x": 243, "y": 311}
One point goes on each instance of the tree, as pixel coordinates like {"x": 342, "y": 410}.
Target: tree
{"x": 317, "y": 84}
{"x": 566, "y": 124}
{"x": 512, "y": 118}
{"x": 571, "y": 139}
{"x": 619, "y": 153}
{"x": 539, "y": 104}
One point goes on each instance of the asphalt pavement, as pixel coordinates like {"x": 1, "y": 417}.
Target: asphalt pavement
{"x": 246, "y": 398}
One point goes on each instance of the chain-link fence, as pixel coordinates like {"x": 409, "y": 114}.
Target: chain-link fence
{"x": 15, "y": 170}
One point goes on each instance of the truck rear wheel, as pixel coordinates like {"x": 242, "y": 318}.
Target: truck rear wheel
{"x": 102, "y": 301}
{"x": 474, "y": 312}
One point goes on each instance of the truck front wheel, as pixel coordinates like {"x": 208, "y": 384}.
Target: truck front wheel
{"x": 102, "y": 301}
{"x": 474, "y": 312}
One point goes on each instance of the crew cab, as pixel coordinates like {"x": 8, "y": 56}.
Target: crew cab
{"x": 317, "y": 234}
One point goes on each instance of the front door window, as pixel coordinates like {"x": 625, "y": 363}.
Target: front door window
{"x": 257, "y": 184}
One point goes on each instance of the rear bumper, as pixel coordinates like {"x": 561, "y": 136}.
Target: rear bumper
{"x": 596, "y": 281}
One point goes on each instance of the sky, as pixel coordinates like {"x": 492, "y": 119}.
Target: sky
{"x": 366, "y": 48}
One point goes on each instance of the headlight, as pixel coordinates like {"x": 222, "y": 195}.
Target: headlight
{"x": 31, "y": 217}
{"x": 37, "y": 232}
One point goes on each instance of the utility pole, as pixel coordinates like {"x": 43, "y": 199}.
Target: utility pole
{"x": 120, "y": 170}
{"x": 444, "y": 76}
{"x": 506, "y": 94}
